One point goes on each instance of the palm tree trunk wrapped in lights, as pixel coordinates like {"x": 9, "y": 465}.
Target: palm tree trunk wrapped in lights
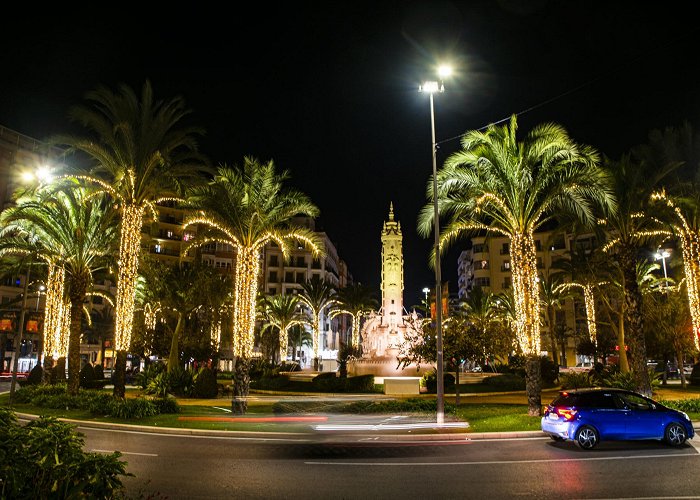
{"x": 526, "y": 292}
{"x": 53, "y": 312}
{"x": 246, "y": 288}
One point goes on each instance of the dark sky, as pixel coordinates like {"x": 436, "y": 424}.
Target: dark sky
{"x": 328, "y": 90}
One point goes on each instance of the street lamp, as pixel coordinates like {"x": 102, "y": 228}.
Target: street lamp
{"x": 663, "y": 256}
{"x": 431, "y": 87}
{"x": 426, "y": 291}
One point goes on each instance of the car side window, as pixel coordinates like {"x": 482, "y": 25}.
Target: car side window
{"x": 606, "y": 401}
{"x": 619, "y": 403}
{"x": 635, "y": 402}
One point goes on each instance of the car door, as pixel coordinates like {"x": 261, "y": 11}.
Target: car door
{"x": 644, "y": 422}
{"x": 608, "y": 415}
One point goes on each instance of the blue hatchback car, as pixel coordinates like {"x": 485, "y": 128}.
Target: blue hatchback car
{"x": 588, "y": 416}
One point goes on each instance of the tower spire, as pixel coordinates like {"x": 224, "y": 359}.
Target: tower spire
{"x": 391, "y": 210}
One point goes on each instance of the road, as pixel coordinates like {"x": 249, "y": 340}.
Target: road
{"x": 330, "y": 467}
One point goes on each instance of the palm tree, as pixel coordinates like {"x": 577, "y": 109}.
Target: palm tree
{"x": 182, "y": 289}
{"x": 355, "y": 300}
{"x": 630, "y": 229}
{"x": 582, "y": 273}
{"x": 281, "y": 312}
{"x": 499, "y": 184}
{"x": 248, "y": 207}
{"x": 552, "y": 297}
{"x": 76, "y": 231}
{"x": 142, "y": 156}
{"x": 318, "y": 296}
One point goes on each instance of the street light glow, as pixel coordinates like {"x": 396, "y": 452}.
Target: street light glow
{"x": 444, "y": 70}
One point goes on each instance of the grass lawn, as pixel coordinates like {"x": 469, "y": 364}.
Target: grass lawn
{"x": 484, "y": 413}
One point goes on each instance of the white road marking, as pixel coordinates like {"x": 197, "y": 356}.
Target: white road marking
{"x": 222, "y": 409}
{"x": 498, "y": 462}
{"x": 127, "y": 453}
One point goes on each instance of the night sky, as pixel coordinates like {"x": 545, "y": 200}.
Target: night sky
{"x": 329, "y": 90}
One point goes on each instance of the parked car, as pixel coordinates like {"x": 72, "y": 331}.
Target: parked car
{"x": 589, "y": 416}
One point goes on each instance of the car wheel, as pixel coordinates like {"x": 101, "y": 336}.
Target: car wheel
{"x": 587, "y": 437}
{"x": 675, "y": 434}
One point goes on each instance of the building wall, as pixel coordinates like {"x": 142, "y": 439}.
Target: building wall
{"x": 487, "y": 264}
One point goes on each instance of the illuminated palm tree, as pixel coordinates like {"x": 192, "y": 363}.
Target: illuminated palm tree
{"x": 248, "y": 207}
{"x": 141, "y": 156}
{"x": 318, "y": 296}
{"x": 552, "y": 297}
{"x": 630, "y": 229}
{"x": 583, "y": 275}
{"x": 684, "y": 217}
{"x": 355, "y": 300}
{"x": 501, "y": 185}
{"x": 76, "y": 232}
{"x": 281, "y": 312}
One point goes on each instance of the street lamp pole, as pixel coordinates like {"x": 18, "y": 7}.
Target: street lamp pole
{"x": 431, "y": 88}
{"x": 663, "y": 256}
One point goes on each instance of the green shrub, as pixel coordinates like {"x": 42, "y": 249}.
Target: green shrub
{"x": 45, "y": 459}
{"x": 159, "y": 385}
{"x": 326, "y": 382}
{"x": 410, "y": 405}
{"x": 548, "y": 370}
{"x": 506, "y": 382}
{"x": 687, "y": 405}
{"x": 429, "y": 380}
{"x": 99, "y": 372}
{"x": 35, "y": 376}
{"x": 87, "y": 376}
{"x": 166, "y": 405}
{"x": 181, "y": 381}
{"x": 694, "y": 378}
{"x": 611, "y": 376}
{"x": 204, "y": 385}
{"x": 575, "y": 380}
{"x": 150, "y": 371}
{"x": 289, "y": 366}
{"x": 360, "y": 383}
{"x": 132, "y": 408}
{"x": 58, "y": 372}
{"x": 27, "y": 394}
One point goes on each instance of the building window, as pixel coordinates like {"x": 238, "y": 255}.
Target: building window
{"x": 157, "y": 248}
{"x": 484, "y": 264}
{"x": 301, "y": 262}
{"x": 272, "y": 291}
{"x": 505, "y": 249}
{"x": 506, "y": 266}
{"x": 482, "y": 282}
{"x": 273, "y": 277}
{"x": 300, "y": 277}
{"x": 289, "y": 277}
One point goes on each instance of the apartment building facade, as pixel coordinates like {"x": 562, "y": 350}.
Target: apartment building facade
{"x": 487, "y": 265}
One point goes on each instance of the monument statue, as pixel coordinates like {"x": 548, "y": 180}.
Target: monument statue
{"x": 384, "y": 331}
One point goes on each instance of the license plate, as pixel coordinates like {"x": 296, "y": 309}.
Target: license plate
{"x": 553, "y": 416}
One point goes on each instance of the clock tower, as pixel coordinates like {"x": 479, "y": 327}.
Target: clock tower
{"x": 392, "y": 273}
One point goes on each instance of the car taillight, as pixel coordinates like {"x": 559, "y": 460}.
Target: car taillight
{"x": 567, "y": 413}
